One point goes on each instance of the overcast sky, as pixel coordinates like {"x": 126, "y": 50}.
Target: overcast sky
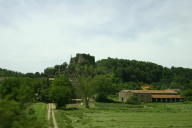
{"x": 35, "y": 34}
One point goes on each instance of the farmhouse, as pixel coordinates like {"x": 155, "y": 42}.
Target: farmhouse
{"x": 168, "y": 95}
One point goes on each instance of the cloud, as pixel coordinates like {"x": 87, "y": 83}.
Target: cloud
{"x": 35, "y": 34}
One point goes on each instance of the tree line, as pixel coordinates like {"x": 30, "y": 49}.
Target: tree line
{"x": 128, "y": 74}
{"x": 109, "y": 76}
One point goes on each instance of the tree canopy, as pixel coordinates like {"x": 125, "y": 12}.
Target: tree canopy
{"x": 61, "y": 91}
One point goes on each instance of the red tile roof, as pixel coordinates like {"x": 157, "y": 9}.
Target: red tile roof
{"x": 166, "y": 96}
{"x": 168, "y": 91}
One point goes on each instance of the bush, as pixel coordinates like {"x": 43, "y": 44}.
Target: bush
{"x": 102, "y": 98}
{"x": 187, "y": 94}
{"x": 13, "y": 115}
{"x": 133, "y": 100}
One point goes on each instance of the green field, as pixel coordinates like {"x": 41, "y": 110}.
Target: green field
{"x": 41, "y": 112}
{"x": 116, "y": 115}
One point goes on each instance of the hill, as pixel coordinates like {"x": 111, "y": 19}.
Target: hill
{"x": 9, "y": 73}
{"x": 126, "y": 74}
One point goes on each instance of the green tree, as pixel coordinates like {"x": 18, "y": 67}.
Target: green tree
{"x": 187, "y": 94}
{"x": 86, "y": 89}
{"x": 9, "y": 73}
{"x": 103, "y": 86}
{"x": 40, "y": 87}
{"x": 61, "y": 91}
{"x": 18, "y": 89}
{"x": 50, "y": 72}
{"x": 12, "y": 115}
{"x": 16, "y": 96}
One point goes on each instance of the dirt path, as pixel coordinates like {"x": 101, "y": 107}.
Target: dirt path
{"x": 53, "y": 117}
{"x": 51, "y": 114}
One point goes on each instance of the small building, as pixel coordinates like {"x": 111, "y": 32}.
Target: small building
{"x": 168, "y": 95}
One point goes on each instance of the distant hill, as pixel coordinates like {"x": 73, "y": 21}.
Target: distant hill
{"x": 9, "y": 73}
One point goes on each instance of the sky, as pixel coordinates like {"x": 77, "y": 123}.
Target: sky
{"x": 36, "y": 34}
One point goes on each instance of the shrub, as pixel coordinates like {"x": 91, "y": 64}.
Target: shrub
{"x": 13, "y": 115}
{"x": 187, "y": 94}
{"x": 133, "y": 100}
{"x": 103, "y": 98}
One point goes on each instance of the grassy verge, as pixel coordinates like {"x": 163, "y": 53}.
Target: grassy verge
{"x": 41, "y": 112}
{"x": 116, "y": 115}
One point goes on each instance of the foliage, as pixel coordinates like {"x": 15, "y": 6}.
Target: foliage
{"x": 18, "y": 89}
{"x": 83, "y": 59}
{"x": 25, "y": 90}
{"x": 146, "y": 72}
{"x": 86, "y": 89}
{"x": 12, "y": 115}
{"x": 56, "y": 70}
{"x": 34, "y": 75}
{"x": 61, "y": 91}
{"x": 128, "y": 85}
{"x": 82, "y": 65}
{"x": 16, "y": 96}
{"x": 128, "y": 70}
{"x": 125, "y": 74}
{"x": 102, "y": 86}
{"x": 133, "y": 100}
{"x": 9, "y": 73}
{"x": 188, "y": 94}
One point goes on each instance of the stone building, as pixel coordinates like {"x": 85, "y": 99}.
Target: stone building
{"x": 169, "y": 95}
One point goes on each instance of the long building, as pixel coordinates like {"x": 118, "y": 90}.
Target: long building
{"x": 168, "y": 95}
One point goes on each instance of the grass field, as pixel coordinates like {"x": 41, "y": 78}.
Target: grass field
{"x": 41, "y": 112}
{"x": 116, "y": 115}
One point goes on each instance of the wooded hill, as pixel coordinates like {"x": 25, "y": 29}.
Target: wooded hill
{"x": 8, "y": 73}
{"x": 126, "y": 74}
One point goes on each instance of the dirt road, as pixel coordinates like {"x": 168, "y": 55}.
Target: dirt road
{"x": 51, "y": 114}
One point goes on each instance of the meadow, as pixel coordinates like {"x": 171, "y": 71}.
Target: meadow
{"x": 119, "y": 115}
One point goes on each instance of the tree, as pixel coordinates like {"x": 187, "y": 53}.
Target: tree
{"x": 187, "y": 94}
{"x": 12, "y": 115}
{"x": 18, "y": 89}
{"x": 102, "y": 86}
{"x": 9, "y": 73}
{"x": 40, "y": 87}
{"x": 16, "y": 96}
{"x": 8, "y": 112}
{"x": 86, "y": 89}
{"x": 61, "y": 91}
{"x": 126, "y": 71}
{"x": 50, "y": 71}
